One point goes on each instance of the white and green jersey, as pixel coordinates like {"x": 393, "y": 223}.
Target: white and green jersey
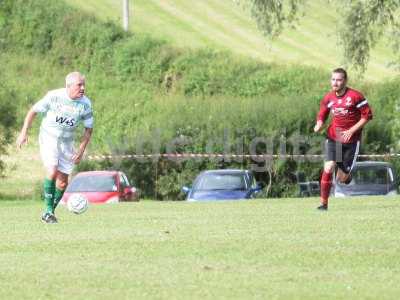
{"x": 63, "y": 114}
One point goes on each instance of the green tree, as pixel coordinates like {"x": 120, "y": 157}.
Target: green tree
{"x": 272, "y": 15}
{"x": 362, "y": 24}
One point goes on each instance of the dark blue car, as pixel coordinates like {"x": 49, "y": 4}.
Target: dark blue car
{"x": 229, "y": 184}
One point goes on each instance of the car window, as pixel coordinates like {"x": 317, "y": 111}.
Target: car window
{"x": 123, "y": 180}
{"x": 372, "y": 175}
{"x": 221, "y": 182}
{"x": 391, "y": 177}
{"x": 253, "y": 182}
{"x": 105, "y": 183}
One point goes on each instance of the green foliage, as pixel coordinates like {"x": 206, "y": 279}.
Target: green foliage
{"x": 219, "y": 73}
{"x": 7, "y": 119}
{"x": 150, "y": 98}
{"x": 214, "y": 125}
{"x": 383, "y": 133}
{"x": 364, "y": 23}
{"x": 67, "y": 36}
{"x": 271, "y": 15}
{"x": 143, "y": 59}
{"x": 361, "y": 26}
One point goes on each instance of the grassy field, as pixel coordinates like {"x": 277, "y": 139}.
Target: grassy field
{"x": 222, "y": 24}
{"x": 262, "y": 249}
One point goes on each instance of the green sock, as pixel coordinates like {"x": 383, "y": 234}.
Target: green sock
{"x": 57, "y": 197}
{"x": 49, "y": 187}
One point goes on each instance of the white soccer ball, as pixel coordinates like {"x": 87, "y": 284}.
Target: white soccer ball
{"x": 77, "y": 203}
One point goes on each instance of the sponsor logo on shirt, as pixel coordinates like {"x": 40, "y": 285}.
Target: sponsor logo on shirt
{"x": 65, "y": 121}
{"x": 340, "y": 111}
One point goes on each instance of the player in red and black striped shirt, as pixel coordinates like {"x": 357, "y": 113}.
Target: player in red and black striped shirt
{"x": 350, "y": 112}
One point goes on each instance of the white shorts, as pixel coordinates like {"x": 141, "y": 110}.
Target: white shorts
{"x": 56, "y": 153}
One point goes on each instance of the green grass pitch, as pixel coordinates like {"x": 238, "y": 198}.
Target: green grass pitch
{"x": 261, "y": 249}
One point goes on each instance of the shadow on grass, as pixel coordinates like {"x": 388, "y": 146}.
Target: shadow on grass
{"x": 17, "y": 197}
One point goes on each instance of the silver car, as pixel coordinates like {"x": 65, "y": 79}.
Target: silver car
{"x": 369, "y": 178}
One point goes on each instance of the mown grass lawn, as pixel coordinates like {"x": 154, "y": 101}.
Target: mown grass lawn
{"x": 222, "y": 24}
{"x": 262, "y": 249}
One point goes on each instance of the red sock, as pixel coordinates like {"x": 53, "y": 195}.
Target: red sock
{"x": 326, "y": 183}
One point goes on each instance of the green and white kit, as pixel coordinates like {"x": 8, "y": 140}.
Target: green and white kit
{"x": 62, "y": 116}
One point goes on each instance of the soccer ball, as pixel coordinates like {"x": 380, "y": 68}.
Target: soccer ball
{"x": 77, "y": 204}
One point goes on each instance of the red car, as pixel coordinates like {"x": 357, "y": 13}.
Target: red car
{"x": 101, "y": 187}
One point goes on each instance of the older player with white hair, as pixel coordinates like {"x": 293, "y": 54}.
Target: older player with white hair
{"x": 63, "y": 110}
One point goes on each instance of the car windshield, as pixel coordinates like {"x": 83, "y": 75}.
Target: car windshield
{"x": 104, "y": 183}
{"x": 372, "y": 175}
{"x": 208, "y": 182}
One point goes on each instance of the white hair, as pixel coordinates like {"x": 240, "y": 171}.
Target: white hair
{"x": 73, "y": 77}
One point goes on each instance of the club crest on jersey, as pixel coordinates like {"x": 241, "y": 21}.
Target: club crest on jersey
{"x": 348, "y": 101}
{"x": 65, "y": 121}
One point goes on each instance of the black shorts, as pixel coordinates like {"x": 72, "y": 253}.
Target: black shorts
{"x": 345, "y": 155}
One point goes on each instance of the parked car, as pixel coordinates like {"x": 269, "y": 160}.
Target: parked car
{"x": 369, "y": 178}
{"x": 307, "y": 188}
{"x": 101, "y": 187}
{"x": 226, "y": 184}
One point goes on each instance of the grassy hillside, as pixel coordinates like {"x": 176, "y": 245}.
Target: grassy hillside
{"x": 222, "y": 24}
{"x": 147, "y": 93}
